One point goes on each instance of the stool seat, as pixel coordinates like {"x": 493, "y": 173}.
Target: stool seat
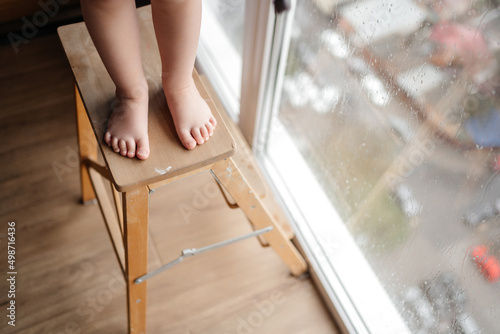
{"x": 168, "y": 157}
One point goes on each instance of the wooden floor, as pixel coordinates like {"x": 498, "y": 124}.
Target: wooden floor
{"x": 68, "y": 279}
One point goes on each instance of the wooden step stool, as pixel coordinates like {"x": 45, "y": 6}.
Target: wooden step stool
{"x": 168, "y": 161}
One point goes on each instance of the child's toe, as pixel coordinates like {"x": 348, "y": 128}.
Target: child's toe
{"x": 204, "y": 133}
{"x": 114, "y": 144}
{"x": 197, "y": 136}
{"x": 130, "y": 148}
{"x": 187, "y": 139}
{"x": 213, "y": 121}
{"x": 107, "y": 138}
{"x": 210, "y": 128}
{"x": 123, "y": 147}
{"x": 142, "y": 149}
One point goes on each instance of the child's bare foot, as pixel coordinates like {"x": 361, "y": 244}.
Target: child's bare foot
{"x": 192, "y": 117}
{"x": 127, "y": 131}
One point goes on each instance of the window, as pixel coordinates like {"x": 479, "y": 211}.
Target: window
{"x": 220, "y": 48}
{"x": 384, "y": 141}
{"x": 378, "y": 124}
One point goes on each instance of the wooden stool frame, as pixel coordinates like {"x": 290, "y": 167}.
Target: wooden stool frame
{"x": 126, "y": 212}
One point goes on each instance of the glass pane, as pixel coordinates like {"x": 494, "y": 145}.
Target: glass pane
{"x": 220, "y": 48}
{"x": 394, "y": 106}
{"x": 230, "y": 15}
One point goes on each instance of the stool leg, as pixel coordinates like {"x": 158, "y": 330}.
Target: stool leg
{"x": 87, "y": 146}
{"x": 230, "y": 176}
{"x": 135, "y": 223}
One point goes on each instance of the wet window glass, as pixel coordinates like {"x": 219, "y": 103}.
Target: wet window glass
{"x": 395, "y": 107}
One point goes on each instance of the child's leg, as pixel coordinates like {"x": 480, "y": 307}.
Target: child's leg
{"x": 113, "y": 27}
{"x": 177, "y": 26}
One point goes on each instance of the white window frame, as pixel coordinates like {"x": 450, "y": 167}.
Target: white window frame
{"x": 366, "y": 307}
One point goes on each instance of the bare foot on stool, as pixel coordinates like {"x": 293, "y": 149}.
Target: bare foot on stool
{"x": 192, "y": 117}
{"x": 127, "y": 131}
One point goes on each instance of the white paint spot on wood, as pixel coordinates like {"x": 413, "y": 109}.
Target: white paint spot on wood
{"x": 163, "y": 171}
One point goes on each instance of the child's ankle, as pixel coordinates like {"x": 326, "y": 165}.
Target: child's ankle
{"x": 137, "y": 92}
{"x": 173, "y": 87}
